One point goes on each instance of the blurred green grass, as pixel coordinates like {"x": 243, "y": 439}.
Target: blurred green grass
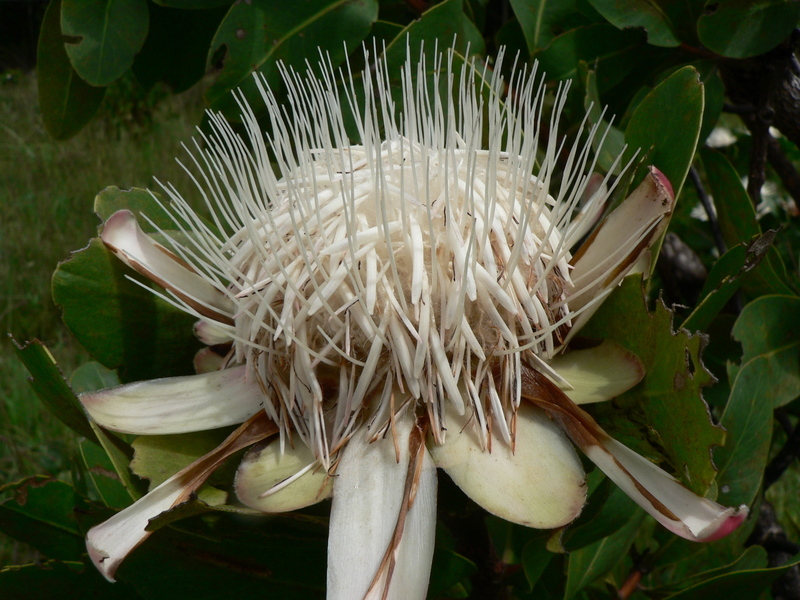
{"x": 47, "y": 189}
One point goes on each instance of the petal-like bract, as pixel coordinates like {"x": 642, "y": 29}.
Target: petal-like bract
{"x": 383, "y": 518}
{"x": 599, "y": 373}
{"x": 177, "y": 404}
{"x": 111, "y": 541}
{"x": 539, "y": 483}
{"x": 621, "y": 240}
{"x": 657, "y": 492}
{"x": 123, "y": 236}
{"x": 275, "y": 479}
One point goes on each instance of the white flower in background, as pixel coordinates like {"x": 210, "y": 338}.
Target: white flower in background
{"x": 393, "y": 306}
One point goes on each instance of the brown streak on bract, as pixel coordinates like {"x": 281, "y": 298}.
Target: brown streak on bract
{"x": 255, "y": 429}
{"x": 175, "y": 257}
{"x": 577, "y": 424}
{"x": 203, "y": 310}
{"x": 416, "y": 449}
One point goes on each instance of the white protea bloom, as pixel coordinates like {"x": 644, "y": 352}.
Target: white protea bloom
{"x": 392, "y": 306}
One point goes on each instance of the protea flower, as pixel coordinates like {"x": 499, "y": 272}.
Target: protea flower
{"x": 393, "y": 306}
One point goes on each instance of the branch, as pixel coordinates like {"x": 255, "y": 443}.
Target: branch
{"x": 784, "y": 458}
{"x": 709, "y": 208}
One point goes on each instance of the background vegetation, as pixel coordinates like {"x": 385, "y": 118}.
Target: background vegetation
{"x": 708, "y": 90}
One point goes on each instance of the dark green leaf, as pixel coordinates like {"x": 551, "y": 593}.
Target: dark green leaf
{"x": 769, "y": 328}
{"x": 67, "y": 102}
{"x": 119, "y": 455}
{"x": 614, "y": 142}
{"x": 445, "y": 21}
{"x": 665, "y": 414}
{"x": 723, "y": 281}
{"x": 593, "y": 561}
{"x": 103, "y": 36}
{"x": 737, "y": 219}
{"x": 743, "y": 28}
{"x": 535, "y": 558}
{"x": 103, "y": 475}
{"x": 603, "y": 44}
{"x": 120, "y": 323}
{"x": 714, "y": 94}
{"x": 189, "y": 4}
{"x": 650, "y": 16}
{"x": 40, "y": 512}
{"x": 738, "y": 223}
{"x": 227, "y": 557}
{"x": 666, "y": 125}
{"x": 754, "y": 557}
{"x": 615, "y": 510}
{"x": 62, "y": 580}
{"x": 92, "y": 376}
{"x": 383, "y": 32}
{"x": 448, "y": 570}
{"x": 739, "y": 585}
{"x": 540, "y": 18}
{"x": 255, "y": 36}
{"x": 510, "y": 37}
{"x": 50, "y": 386}
{"x": 137, "y": 200}
{"x": 748, "y": 421}
{"x": 679, "y": 563}
{"x": 176, "y": 48}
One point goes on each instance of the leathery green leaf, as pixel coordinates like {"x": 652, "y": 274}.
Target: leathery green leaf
{"x": 67, "y": 580}
{"x": 608, "y": 510}
{"x": 753, "y": 558}
{"x": 198, "y": 561}
{"x": 446, "y": 20}
{"x": 593, "y": 561}
{"x": 538, "y": 20}
{"x": 257, "y": 36}
{"x": 142, "y": 203}
{"x": 646, "y": 14}
{"x": 104, "y": 475}
{"x": 601, "y": 44}
{"x": 665, "y": 415}
{"x": 614, "y": 142}
{"x": 738, "y": 585}
{"x": 103, "y": 36}
{"x": 769, "y": 327}
{"x": 40, "y": 511}
{"x": 92, "y": 376}
{"x": 726, "y": 276}
{"x": 748, "y": 421}
{"x": 120, "y": 323}
{"x": 666, "y": 125}
{"x": 743, "y": 28}
{"x": 67, "y": 102}
{"x": 738, "y": 222}
{"x": 50, "y": 386}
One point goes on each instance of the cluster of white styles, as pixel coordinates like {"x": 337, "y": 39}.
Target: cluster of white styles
{"x": 414, "y": 262}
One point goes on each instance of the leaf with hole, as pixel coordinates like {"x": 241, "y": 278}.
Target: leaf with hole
{"x": 103, "y": 36}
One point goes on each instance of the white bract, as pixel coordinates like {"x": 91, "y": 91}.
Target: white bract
{"x": 395, "y": 305}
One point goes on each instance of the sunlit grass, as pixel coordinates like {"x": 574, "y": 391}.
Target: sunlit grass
{"x": 47, "y": 189}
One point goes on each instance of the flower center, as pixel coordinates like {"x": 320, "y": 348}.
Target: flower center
{"x": 399, "y": 270}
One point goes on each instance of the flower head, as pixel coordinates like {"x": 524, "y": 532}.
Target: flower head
{"x": 395, "y": 304}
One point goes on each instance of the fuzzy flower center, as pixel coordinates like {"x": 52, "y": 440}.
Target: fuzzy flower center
{"x": 413, "y": 271}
